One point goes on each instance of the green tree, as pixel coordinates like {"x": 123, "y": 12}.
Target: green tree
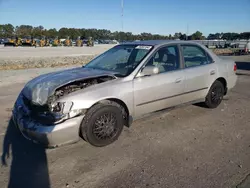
{"x": 183, "y": 37}
{"x": 73, "y": 33}
{"x": 104, "y": 34}
{"x": 231, "y": 36}
{"x": 177, "y": 35}
{"x": 245, "y": 35}
{"x": 197, "y": 36}
{"x": 6, "y": 30}
{"x": 38, "y": 31}
{"x": 63, "y": 32}
{"x": 51, "y": 33}
{"x": 23, "y": 30}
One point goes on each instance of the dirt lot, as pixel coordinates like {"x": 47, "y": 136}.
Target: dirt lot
{"x": 188, "y": 147}
{"x": 14, "y": 58}
{"x": 27, "y": 52}
{"x": 30, "y": 57}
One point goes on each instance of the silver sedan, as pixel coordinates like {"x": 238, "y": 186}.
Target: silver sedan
{"x": 96, "y": 101}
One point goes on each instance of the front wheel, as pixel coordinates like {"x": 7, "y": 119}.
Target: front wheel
{"x": 103, "y": 124}
{"x": 215, "y": 95}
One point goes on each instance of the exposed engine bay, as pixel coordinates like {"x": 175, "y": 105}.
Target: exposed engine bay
{"x": 77, "y": 85}
{"x": 53, "y": 111}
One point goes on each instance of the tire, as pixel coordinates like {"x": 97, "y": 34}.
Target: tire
{"x": 215, "y": 95}
{"x": 100, "y": 112}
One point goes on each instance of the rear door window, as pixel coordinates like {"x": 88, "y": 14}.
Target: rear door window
{"x": 195, "y": 56}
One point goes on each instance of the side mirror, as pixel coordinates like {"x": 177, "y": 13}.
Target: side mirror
{"x": 149, "y": 70}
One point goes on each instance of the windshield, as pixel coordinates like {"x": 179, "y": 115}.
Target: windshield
{"x": 122, "y": 59}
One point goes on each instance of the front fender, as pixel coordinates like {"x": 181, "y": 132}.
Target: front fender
{"x": 88, "y": 103}
{"x": 84, "y": 99}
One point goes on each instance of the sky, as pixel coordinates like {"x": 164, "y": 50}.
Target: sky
{"x": 153, "y": 16}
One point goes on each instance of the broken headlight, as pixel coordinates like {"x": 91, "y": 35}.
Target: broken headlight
{"x": 57, "y": 107}
{"x": 61, "y": 107}
{"x": 62, "y": 111}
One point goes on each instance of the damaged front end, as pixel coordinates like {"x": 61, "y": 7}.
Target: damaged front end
{"x": 55, "y": 111}
{"x": 49, "y": 114}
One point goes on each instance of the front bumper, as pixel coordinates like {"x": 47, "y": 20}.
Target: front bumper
{"x": 47, "y": 135}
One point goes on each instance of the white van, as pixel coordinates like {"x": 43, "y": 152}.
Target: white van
{"x": 247, "y": 48}
{"x": 244, "y": 47}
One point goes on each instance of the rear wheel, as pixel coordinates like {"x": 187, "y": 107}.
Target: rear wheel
{"x": 103, "y": 124}
{"x": 215, "y": 95}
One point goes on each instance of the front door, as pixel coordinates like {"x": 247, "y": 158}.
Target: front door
{"x": 162, "y": 90}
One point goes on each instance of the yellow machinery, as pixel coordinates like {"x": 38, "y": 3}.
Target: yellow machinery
{"x": 79, "y": 42}
{"x": 67, "y": 42}
{"x": 56, "y": 42}
{"x": 42, "y": 42}
{"x": 13, "y": 41}
{"x": 28, "y": 41}
{"x": 90, "y": 42}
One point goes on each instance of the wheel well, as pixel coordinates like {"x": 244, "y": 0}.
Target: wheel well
{"x": 121, "y": 103}
{"x": 118, "y": 101}
{"x": 224, "y": 82}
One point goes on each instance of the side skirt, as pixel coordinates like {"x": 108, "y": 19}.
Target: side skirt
{"x": 159, "y": 112}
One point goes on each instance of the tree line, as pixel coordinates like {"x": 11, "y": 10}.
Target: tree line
{"x": 8, "y": 30}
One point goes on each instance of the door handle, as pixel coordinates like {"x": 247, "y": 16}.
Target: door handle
{"x": 178, "y": 80}
{"x": 212, "y": 72}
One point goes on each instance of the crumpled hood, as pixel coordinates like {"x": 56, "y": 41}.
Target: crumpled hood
{"x": 40, "y": 88}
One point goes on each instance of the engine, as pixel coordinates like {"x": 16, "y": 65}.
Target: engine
{"x": 77, "y": 85}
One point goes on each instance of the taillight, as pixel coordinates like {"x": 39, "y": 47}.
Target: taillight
{"x": 235, "y": 67}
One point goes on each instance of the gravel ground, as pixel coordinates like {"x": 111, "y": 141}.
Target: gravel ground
{"x": 27, "y": 52}
{"x": 187, "y": 147}
{"x": 8, "y": 77}
{"x": 23, "y": 58}
{"x": 27, "y": 63}
{"x": 29, "y": 57}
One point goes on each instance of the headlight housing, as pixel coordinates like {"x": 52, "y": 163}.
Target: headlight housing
{"x": 61, "y": 107}
{"x": 62, "y": 111}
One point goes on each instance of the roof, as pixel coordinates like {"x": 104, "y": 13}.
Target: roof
{"x": 157, "y": 42}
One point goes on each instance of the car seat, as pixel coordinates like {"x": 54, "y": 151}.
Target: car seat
{"x": 169, "y": 62}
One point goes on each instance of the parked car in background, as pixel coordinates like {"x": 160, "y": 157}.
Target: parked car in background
{"x": 241, "y": 47}
{"x": 73, "y": 42}
{"x": 126, "y": 82}
{"x": 244, "y": 47}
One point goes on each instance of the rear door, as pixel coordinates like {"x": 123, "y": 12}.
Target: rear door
{"x": 162, "y": 90}
{"x": 200, "y": 71}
